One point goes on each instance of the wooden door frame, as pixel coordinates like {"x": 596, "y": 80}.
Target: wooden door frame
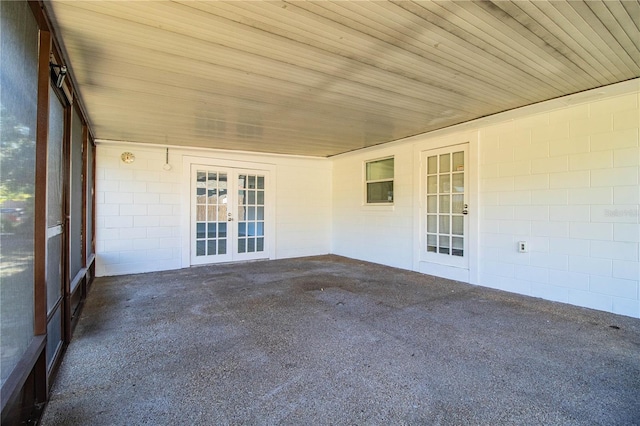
{"x": 27, "y": 387}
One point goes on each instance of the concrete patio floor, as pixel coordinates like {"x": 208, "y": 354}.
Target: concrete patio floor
{"x": 329, "y": 340}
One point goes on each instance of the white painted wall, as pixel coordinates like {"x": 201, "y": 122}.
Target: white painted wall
{"x": 380, "y": 234}
{"x": 562, "y": 176}
{"x": 565, "y": 181}
{"x": 140, "y": 223}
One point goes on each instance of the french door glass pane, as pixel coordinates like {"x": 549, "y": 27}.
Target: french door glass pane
{"x": 457, "y": 246}
{"x": 201, "y": 189}
{"x": 444, "y": 203}
{"x": 432, "y": 243}
{"x": 444, "y": 163}
{"x": 211, "y": 247}
{"x": 432, "y": 184}
{"x": 432, "y": 223}
{"x": 458, "y": 204}
{"x": 458, "y": 161}
{"x": 458, "y": 182}
{"x": 432, "y": 204}
{"x": 444, "y": 224}
{"x": 444, "y": 244}
{"x": 200, "y": 248}
{"x": 432, "y": 165}
{"x": 445, "y": 184}
{"x": 457, "y": 225}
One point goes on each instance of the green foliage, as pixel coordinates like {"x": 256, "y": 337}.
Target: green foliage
{"x": 17, "y": 159}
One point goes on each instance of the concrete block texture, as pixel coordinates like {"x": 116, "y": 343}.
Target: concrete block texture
{"x": 580, "y": 191}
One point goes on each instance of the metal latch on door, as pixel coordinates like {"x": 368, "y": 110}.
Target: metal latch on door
{"x": 465, "y": 211}
{"x": 230, "y": 219}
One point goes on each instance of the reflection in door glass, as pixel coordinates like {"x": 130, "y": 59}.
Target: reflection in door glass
{"x": 211, "y": 213}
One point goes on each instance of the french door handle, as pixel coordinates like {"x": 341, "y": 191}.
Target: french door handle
{"x": 465, "y": 211}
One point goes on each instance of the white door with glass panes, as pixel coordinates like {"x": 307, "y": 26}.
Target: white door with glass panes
{"x": 445, "y": 224}
{"x": 228, "y": 214}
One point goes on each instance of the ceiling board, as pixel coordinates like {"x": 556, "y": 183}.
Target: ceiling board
{"x": 322, "y": 78}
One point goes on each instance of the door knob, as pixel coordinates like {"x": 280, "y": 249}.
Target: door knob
{"x": 465, "y": 211}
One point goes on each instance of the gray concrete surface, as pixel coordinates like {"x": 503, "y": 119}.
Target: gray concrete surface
{"x": 328, "y": 340}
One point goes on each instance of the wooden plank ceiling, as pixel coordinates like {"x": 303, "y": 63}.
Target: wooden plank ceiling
{"x": 321, "y": 78}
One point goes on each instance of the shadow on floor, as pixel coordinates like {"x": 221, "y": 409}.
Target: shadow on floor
{"x": 329, "y": 340}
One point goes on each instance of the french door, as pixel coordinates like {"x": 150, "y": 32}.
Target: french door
{"x": 228, "y": 214}
{"x": 445, "y": 223}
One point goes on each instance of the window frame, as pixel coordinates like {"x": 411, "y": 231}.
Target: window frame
{"x": 366, "y": 182}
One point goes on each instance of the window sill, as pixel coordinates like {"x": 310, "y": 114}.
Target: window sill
{"x": 379, "y": 207}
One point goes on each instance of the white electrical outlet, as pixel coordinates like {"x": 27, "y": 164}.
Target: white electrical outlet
{"x": 522, "y": 247}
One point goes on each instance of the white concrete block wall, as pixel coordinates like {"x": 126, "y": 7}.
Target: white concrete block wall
{"x": 565, "y": 179}
{"x": 303, "y": 208}
{"x": 550, "y": 179}
{"x": 380, "y": 234}
{"x": 139, "y": 213}
{"x": 562, "y": 176}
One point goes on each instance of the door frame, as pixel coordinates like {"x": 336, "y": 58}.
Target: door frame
{"x": 210, "y": 162}
{"x": 449, "y": 260}
{"x": 471, "y": 138}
